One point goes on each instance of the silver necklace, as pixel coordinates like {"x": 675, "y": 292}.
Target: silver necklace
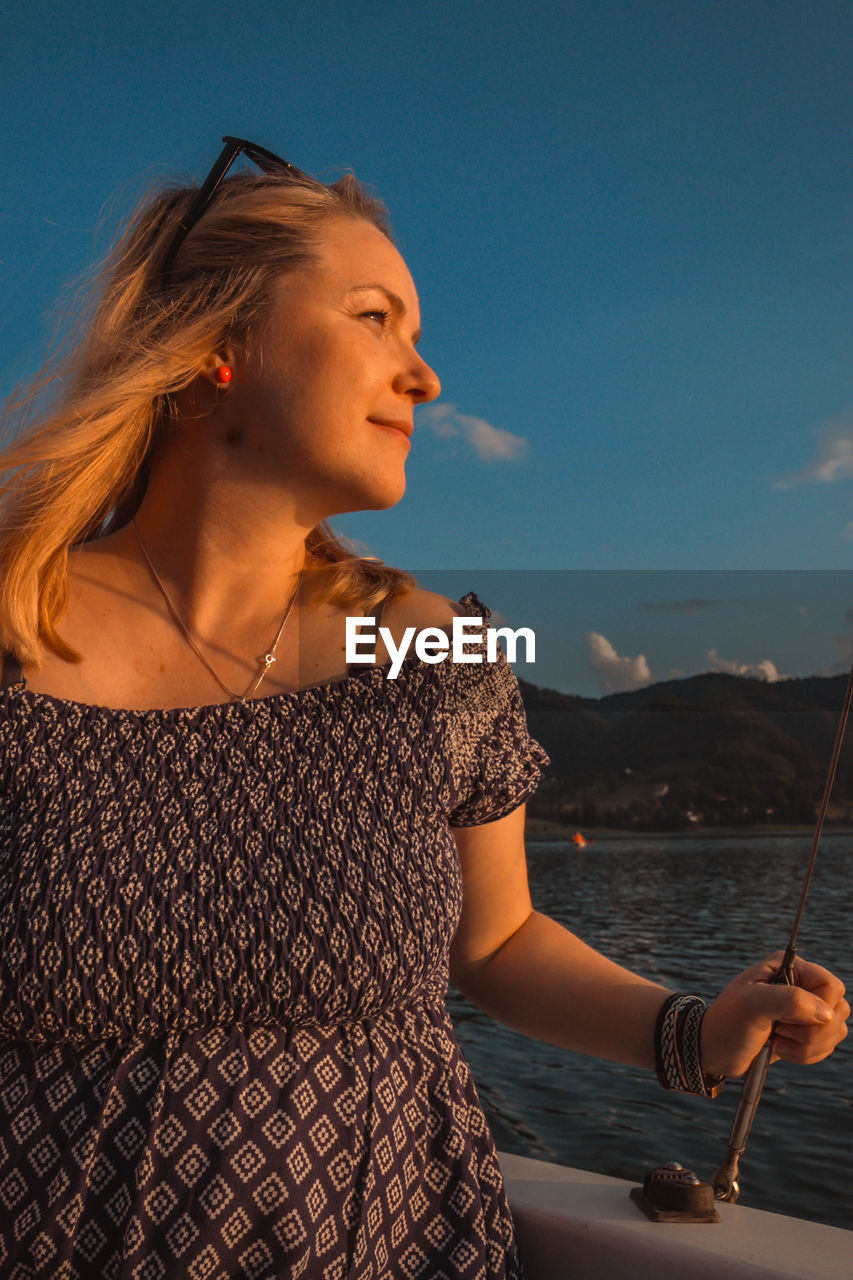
{"x": 268, "y": 658}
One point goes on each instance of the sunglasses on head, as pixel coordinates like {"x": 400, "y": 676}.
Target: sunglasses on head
{"x": 265, "y": 160}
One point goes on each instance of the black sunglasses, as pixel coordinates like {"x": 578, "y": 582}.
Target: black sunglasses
{"x": 266, "y": 161}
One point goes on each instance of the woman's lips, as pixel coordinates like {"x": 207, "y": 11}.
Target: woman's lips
{"x": 394, "y": 424}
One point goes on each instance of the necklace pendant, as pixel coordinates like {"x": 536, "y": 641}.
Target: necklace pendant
{"x": 269, "y": 658}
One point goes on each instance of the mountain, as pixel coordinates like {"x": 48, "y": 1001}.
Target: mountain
{"x": 713, "y": 749}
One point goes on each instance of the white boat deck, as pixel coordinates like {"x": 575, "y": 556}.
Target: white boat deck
{"x": 582, "y": 1226}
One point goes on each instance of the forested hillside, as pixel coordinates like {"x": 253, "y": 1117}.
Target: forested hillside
{"x": 711, "y": 750}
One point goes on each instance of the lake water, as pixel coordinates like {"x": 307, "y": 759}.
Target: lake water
{"x": 690, "y": 913}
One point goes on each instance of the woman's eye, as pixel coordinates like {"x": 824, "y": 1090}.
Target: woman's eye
{"x": 380, "y": 316}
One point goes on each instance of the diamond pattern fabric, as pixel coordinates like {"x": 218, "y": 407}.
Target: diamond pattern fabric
{"x": 224, "y": 933}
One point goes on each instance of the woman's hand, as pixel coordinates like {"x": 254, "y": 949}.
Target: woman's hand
{"x": 811, "y": 1018}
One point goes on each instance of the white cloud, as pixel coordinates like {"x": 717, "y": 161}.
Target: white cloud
{"x": 833, "y": 460}
{"x": 764, "y": 670}
{"x": 489, "y": 443}
{"x": 615, "y": 674}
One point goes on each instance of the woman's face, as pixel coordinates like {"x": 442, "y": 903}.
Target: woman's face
{"x": 325, "y": 404}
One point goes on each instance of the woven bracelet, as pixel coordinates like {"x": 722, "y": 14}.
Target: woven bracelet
{"x": 678, "y": 1060}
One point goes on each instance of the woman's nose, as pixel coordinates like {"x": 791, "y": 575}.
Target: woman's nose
{"x": 421, "y": 382}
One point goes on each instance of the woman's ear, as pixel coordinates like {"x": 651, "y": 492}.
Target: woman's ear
{"x": 218, "y": 368}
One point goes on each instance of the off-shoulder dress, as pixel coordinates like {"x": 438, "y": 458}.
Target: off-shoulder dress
{"x": 224, "y": 933}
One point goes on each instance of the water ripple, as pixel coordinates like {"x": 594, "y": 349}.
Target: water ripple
{"x": 691, "y": 913}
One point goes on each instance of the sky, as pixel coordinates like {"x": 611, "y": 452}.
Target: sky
{"x": 631, "y": 229}
{"x": 601, "y": 631}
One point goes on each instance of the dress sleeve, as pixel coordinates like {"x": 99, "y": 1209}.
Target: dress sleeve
{"x": 494, "y": 764}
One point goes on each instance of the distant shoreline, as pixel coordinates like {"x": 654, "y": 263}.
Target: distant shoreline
{"x": 552, "y": 834}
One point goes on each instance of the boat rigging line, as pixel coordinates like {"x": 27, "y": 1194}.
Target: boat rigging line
{"x": 726, "y": 1186}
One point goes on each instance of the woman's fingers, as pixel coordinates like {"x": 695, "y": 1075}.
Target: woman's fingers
{"x": 813, "y": 977}
{"x": 808, "y": 976}
{"x": 810, "y": 1017}
{"x": 805, "y": 1050}
{"x": 790, "y": 1004}
{"x": 805, "y": 1042}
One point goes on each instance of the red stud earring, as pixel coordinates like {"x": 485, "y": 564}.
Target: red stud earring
{"x": 223, "y": 374}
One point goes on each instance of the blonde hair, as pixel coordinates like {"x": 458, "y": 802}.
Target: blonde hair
{"x": 78, "y": 469}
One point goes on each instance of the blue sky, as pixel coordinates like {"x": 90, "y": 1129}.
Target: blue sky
{"x": 630, "y": 226}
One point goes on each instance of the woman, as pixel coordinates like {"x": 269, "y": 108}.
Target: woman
{"x": 234, "y": 872}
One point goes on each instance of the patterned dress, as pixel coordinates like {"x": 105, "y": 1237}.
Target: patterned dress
{"x": 224, "y": 932}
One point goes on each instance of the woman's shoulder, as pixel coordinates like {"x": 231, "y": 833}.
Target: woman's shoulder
{"x": 467, "y": 668}
{"x": 421, "y": 609}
